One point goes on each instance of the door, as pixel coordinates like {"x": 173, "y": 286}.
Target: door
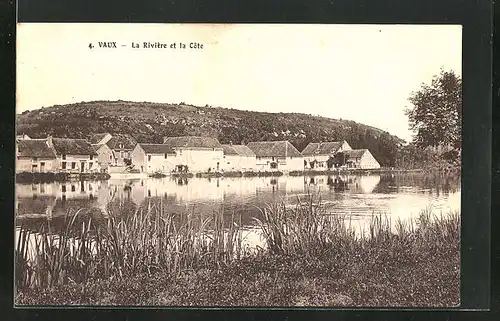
{"x": 82, "y": 167}
{"x": 34, "y": 168}
{"x": 42, "y": 167}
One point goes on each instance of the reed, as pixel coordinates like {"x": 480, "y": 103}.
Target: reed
{"x": 148, "y": 241}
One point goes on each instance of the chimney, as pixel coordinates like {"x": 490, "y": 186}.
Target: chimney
{"x": 49, "y": 140}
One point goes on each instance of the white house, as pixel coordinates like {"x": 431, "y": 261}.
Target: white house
{"x": 74, "y": 155}
{"x": 35, "y": 155}
{"x": 316, "y": 155}
{"x": 153, "y": 158}
{"x": 105, "y": 155}
{"x": 121, "y": 145}
{"x": 238, "y": 158}
{"x": 277, "y": 155}
{"x": 361, "y": 158}
{"x": 197, "y": 154}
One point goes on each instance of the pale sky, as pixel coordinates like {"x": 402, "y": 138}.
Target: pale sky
{"x": 363, "y": 73}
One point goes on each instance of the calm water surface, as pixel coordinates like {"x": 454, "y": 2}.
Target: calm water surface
{"x": 356, "y": 197}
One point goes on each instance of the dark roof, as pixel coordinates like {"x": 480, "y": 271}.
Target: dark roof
{"x": 240, "y": 150}
{"x": 192, "y": 141}
{"x": 324, "y": 148}
{"x": 355, "y": 153}
{"x": 97, "y": 138}
{"x": 35, "y": 148}
{"x": 70, "y": 146}
{"x": 276, "y": 148}
{"x": 157, "y": 148}
{"x": 117, "y": 139}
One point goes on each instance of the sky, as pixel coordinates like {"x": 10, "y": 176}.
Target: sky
{"x": 363, "y": 73}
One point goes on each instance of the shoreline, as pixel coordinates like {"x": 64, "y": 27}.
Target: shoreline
{"x": 50, "y": 177}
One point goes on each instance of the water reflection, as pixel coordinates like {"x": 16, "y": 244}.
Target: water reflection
{"x": 400, "y": 196}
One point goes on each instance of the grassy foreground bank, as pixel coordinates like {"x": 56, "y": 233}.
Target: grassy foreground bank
{"x": 312, "y": 260}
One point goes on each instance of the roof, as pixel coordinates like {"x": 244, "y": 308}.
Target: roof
{"x": 324, "y": 148}
{"x": 125, "y": 139}
{"x": 274, "y": 148}
{"x": 192, "y": 142}
{"x": 240, "y": 150}
{"x": 355, "y": 153}
{"x": 97, "y": 138}
{"x": 70, "y": 146}
{"x": 35, "y": 148}
{"x": 157, "y": 148}
{"x": 96, "y": 147}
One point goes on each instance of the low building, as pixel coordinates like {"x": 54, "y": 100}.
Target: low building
{"x": 120, "y": 144}
{"x": 74, "y": 155}
{"x": 196, "y": 154}
{"x": 360, "y": 158}
{"x": 238, "y": 158}
{"x": 277, "y": 155}
{"x": 154, "y": 158}
{"x": 105, "y": 156}
{"x": 316, "y": 155}
{"x": 35, "y": 155}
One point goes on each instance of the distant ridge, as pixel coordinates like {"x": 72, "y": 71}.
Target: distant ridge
{"x": 150, "y": 122}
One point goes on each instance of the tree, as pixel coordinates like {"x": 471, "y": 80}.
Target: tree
{"x": 330, "y": 162}
{"x": 339, "y": 159}
{"x": 436, "y": 116}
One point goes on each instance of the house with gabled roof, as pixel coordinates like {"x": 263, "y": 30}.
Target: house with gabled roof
{"x": 105, "y": 155}
{"x": 316, "y": 155}
{"x": 196, "y": 153}
{"x": 277, "y": 155}
{"x": 35, "y": 155}
{"x": 74, "y": 155}
{"x": 154, "y": 158}
{"x": 238, "y": 158}
{"x": 120, "y": 144}
{"x": 360, "y": 158}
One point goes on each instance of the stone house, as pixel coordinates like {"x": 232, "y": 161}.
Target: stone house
{"x": 197, "y": 154}
{"x": 74, "y": 155}
{"x": 238, "y": 158}
{"x": 154, "y": 158}
{"x": 105, "y": 156}
{"x": 277, "y": 155}
{"x": 316, "y": 155}
{"x": 121, "y": 145}
{"x": 361, "y": 158}
{"x": 35, "y": 155}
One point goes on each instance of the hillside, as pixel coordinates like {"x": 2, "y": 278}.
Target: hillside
{"x": 149, "y": 122}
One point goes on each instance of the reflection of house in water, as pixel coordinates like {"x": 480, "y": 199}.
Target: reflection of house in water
{"x": 346, "y": 183}
{"x": 56, "y": 198}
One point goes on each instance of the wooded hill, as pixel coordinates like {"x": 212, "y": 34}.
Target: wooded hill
{"x": 149, "y": 122}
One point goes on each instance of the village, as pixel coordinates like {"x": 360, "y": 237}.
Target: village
{"x": 117, "y": 154}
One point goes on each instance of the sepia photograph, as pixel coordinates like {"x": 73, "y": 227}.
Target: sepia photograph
{"x": 238, "y": 165}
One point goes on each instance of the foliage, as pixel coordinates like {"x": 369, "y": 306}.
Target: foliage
{"x": 340, "y": 159}
{"x": 436, "y": 116}
{"x": 330, "y": 163}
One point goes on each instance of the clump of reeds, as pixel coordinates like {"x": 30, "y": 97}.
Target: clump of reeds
{"x": 307, "y": 229}
{"x": 149, "y": 240}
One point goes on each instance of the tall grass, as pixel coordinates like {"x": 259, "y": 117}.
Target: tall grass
{"x": 305, "y": 229}
{"x": 148, "y": 241}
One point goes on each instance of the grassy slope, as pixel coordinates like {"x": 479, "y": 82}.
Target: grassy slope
{"x": 149, "y": 122}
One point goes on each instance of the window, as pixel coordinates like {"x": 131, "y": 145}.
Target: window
{"x": 63, "y": 156}
{"x": 165, "y": 156}
{"x": 149, "y": 158}
{"x": 90, "y": 164}
{"x": 73, "y": 165}
{"x": 91, "y": 157}
{"x": 73, "y": 188}
{"x": 110, "y": 157}
{"x": 63, "y": 188}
